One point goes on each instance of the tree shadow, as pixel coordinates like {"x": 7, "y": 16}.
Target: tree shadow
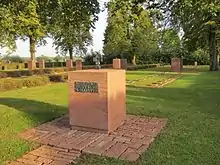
{"x": 197, "y": 94}
{"x": 37, "y": 111}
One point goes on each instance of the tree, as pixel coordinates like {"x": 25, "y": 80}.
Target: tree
{"x": 43, "y": 57}
{"x": 144, "y": 38}
{"x": 27, "y": 21}
{"x": 72, "y": 40}
{"x": 71, "y": 31}
{"x": 12, "y": 58}
{"x": 170, "y": 45}
{"x": 116, "y": 41}
{"x": 130, "y": 30}
{"x": 200, "y": 21}
{"x": 35, "y": 19}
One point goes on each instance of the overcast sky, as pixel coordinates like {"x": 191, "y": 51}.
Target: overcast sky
{"x": 48, "y": 50}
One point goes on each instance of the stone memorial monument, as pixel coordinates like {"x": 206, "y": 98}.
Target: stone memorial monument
{"x": 124, "y": 64}
{"x": 176, "y": 64}
{"x": 69, "y": 64}
{"x": 195, "y": 64}
{"x": 98, "y": 59}
{"x": 79, "y": 65}
{"x": 42, "y": 64}
{"x": 31, "y": 65}
{"x": 97, "y": 99}
{"x": 116, "y": 63}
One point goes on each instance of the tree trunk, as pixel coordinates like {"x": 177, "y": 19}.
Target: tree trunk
{"x": 213, "y": 50}
{"x": 32, "y": 65}
{"x": 71, "y": 53}
{"x": 32, "y": 48}
{"x": 134, "y": 60}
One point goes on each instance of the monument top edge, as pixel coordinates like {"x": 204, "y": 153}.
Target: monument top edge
{"x": 99, "y": 70}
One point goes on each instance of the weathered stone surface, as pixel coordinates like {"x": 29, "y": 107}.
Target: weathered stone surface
{"x": 104, "y": 104}
{"x": 176, "y": 64}
{"x": 79, "y": 65}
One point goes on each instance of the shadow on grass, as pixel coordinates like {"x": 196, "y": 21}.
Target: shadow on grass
{"x": 35, "y": 110}
{"x": 195, "y": 93}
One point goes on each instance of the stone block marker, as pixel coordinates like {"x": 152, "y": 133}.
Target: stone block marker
{"x": 31, "y": 65}
{"x": 116, "y": 63}
{"x": 195, "y": 64}
{"x": 124, "y": 64}
{"x": 97, "y": 99}
{"x": 69, "y": 64}
{"x": 42, "y": 64}
{"x": 176, "y": 64}
{"x": 79, "y": 65}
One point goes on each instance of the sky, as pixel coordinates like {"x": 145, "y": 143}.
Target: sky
{"x": 48, "y": 50}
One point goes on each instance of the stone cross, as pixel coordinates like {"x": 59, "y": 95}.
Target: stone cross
{"x": 98, "y": 59}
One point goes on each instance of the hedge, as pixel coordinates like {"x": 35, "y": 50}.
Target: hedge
{"x": 139, "y": 67}
{"x": 12, "y": 66}
{"x": 16, "y": 83}
{"x": 58, "y": 77}
{"x": 20, "y": 73}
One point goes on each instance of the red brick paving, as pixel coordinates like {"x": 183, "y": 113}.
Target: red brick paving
{"x": 62, "y": 145}
{"x": 47, "y": 155}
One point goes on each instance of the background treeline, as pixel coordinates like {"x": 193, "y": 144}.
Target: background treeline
{"x": 141, "y": 31}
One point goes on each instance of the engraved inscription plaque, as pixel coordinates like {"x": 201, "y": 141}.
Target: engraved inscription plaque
{"x": 86, "y": 87}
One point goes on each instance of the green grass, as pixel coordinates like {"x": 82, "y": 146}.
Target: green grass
{"x": 145, "y": 79}
{"x": 191, "y": 104}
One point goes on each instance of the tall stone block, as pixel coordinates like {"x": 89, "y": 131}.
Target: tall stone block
{"x": 69, "y": 64}
{"x": 176, "y": 64}
{"x": 31, "y": 65}
{"x": 97, "y": 99}
{"x": 116, "y": 63}
{"x": 124, "y": 64}
{"x": 79, "y": 65}
{"x": 42, "y": 64}
{"x": 195, "y": 64}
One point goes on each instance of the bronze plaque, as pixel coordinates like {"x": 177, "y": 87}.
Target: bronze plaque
{"x": 86, "y": 87}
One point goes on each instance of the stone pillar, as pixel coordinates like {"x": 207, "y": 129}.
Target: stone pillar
{"x": 69, "y": 64}
{"x": 4, "y": 67}
{"x": 97, "y": 99}
{"x": 195, "y": 64}
{"x": 176, "y": 64}
{"x": 31, "y": 65}
{"x": 42, "y": 64}
{"x": 116, "y": 63}
{"x": 124, "y": 64}
{"x": 79, "y": 65}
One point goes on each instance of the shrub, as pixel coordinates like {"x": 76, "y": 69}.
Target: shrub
{"x": 139, "y": 67}
{"x": 52, "y": 71}
{"x": 3, "y": 75}
{"x": 60, "y": 70}
{"x": 20, "y": 73}
{"x": 12, "y": 66}
{"x": 16, "y": 83}
{"x": 94, "y": 66}
{"x": 58, "y": 77}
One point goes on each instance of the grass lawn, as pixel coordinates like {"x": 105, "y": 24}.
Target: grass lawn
{"x": 192, "y": 105}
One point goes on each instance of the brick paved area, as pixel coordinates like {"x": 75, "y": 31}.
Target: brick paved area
{"x": 47, "y": 155}
{"x": 62, "y": 145}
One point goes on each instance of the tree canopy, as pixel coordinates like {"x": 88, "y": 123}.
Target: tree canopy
{"x": 36, "y": 19}
{"x": 130, "y": 31}
{"x": 200, "y": 22}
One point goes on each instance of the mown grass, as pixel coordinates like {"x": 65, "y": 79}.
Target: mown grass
{"x": 192, "y": 105}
